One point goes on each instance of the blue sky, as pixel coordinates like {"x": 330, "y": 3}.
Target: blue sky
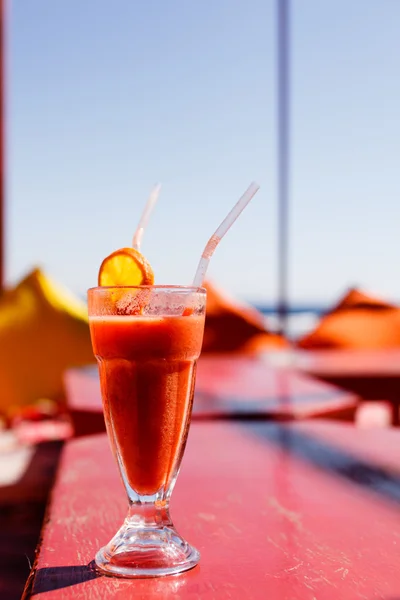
{"x": 105, "y": 99}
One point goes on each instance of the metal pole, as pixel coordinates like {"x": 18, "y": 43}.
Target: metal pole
{"x": 283, "y": 160}
{"x": 2, "y": 157}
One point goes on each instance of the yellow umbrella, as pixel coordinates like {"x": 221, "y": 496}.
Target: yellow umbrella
{"x": 43, "y": 330}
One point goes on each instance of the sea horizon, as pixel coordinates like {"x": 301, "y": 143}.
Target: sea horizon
{"x": 302, "y": 316}
{"x": 269, "y": 308}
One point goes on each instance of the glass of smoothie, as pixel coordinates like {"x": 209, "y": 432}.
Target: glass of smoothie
{"x": 147, "y": 340}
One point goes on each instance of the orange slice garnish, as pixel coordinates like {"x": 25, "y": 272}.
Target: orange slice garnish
{"x": 126, "y": 266}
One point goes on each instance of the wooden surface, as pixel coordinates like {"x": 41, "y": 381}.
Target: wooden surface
{"x": 278, "y": 511}
{"x": 228, "y": 387}
{"x": 251, "y": 386}
{"x": 371, "y": 375}
{"x": 350, "y": 362}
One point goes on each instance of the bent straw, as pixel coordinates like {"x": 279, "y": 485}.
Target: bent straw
{"x": 148, "y": 209}
{"x": 221, "y": 231}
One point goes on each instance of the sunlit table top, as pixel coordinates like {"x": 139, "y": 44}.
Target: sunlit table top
{"x": 298, "y": 510}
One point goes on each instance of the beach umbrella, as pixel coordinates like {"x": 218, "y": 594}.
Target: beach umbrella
{"x": 358, "y": 320}
{"x": 233, "y": 326}
{"x": 44, "y": 330}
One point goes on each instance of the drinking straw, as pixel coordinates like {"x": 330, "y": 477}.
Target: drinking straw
{"x": 221, "y": 231}
{"x": 151, "y": 201}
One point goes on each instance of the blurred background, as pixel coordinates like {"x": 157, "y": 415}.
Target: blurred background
{"x": 103, "y": 100}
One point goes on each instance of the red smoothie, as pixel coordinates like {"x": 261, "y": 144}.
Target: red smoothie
{"x": 147, "y": 370}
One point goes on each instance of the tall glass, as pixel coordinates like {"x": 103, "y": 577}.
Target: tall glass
{"x": 147, "y": 341}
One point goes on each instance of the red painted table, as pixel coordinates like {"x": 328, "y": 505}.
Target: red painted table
{"x": 372, "y": 375}
{"x": 279, "y": 511}
{"x": 228, "y": 387}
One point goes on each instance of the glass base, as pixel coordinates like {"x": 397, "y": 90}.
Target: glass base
{"x": 137, "y": 551}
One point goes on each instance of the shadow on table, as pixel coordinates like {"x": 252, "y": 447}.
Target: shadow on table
{"x": 22, "y": 509}
{"x": 324, "y": 455}
{"x": 56, "y": 578}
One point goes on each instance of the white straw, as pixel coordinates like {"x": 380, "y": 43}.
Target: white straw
{"x": 148, "y": 209}
{"x": 221, "y": 231}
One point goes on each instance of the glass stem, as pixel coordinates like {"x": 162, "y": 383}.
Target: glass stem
{"x": 149, "y": 515}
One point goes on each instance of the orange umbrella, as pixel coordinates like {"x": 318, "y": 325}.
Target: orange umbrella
{"x": 235, "y": 327}
{"x": 357, "y": 321}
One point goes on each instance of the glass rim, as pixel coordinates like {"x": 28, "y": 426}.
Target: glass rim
{"x": 183, "y": 288}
